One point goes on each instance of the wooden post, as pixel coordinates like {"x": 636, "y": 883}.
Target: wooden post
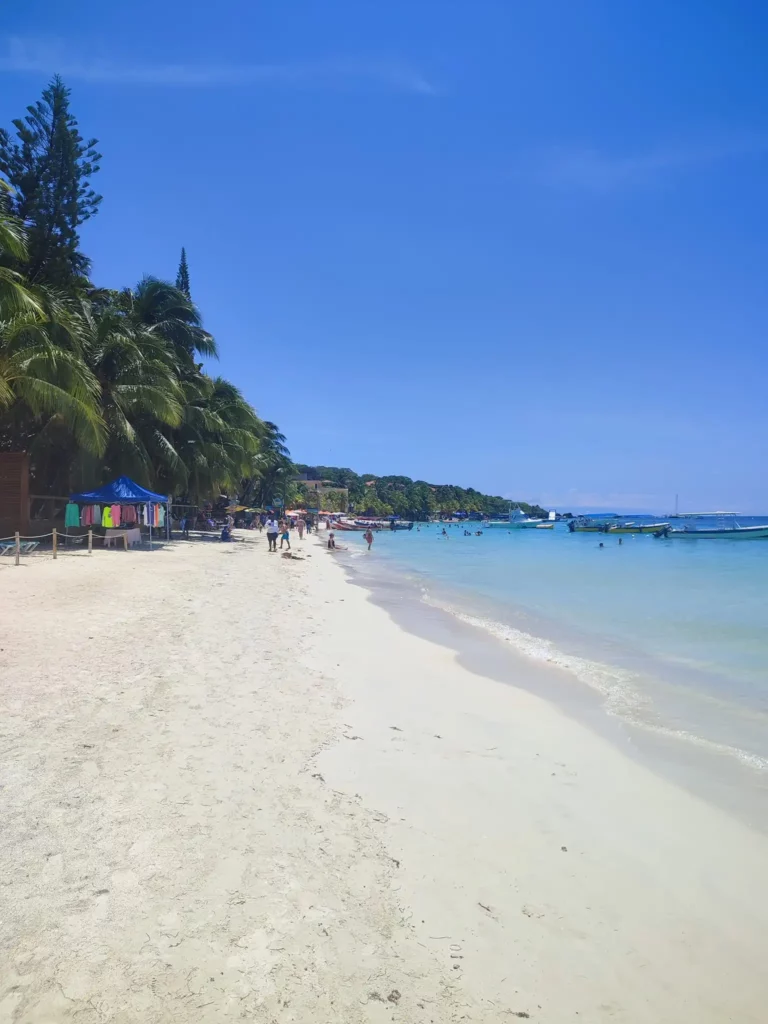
{"x": 90, "y": 540}
{"x": 125, "y": 541}
{"x": 18, "y": 547}
{"x": 55, "y": 542}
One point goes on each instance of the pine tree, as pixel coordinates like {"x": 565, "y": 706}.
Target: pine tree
{"x": 182, "y": 278}
{"x": 49, "y": 169}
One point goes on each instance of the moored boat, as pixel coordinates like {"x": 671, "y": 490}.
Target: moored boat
{"x": 726, "y": 533}
{"x": 637, "y": 528}
{"x": 517, "y": 520}
{"x": 587, "y": 524}
{"x": 728, "y": 528}
{"x": 347, "y": 525}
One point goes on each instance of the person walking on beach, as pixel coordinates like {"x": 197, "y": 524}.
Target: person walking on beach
{"x": 271, "y": 526}
{"x": 285, "y": 535}
{"x": 300, "y": 524}
{"x": 368, "y": 537}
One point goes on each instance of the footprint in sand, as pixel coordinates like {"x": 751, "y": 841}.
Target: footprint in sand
{"x": 530, "y": 911}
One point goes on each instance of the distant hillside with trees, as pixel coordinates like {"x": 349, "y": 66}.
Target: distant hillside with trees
{"x": 399, "y": 495}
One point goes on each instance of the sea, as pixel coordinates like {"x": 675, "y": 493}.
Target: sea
{"x": 668, "y": 638}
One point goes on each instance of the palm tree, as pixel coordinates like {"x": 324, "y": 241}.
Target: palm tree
{"x": 95, "y": 383}
{"x": 45, "y": 386}
{"x": 15, "y": 294}
{"x": 139, "y": 391}
{"x": 165, "y": 310}
{"x": 217, "y": 440}
{"x": 271, "y": 469}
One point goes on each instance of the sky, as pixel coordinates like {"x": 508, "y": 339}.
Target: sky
{"x": 516, "y": 246}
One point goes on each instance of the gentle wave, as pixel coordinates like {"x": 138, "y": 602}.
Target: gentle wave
{"x": 617, "y": 686}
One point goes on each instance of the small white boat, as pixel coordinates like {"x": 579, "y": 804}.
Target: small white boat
{"x": 517, "y": 520}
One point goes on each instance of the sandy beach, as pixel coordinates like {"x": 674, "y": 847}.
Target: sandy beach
{"x": 232, "y": 788}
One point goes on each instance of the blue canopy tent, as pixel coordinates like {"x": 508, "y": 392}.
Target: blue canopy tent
{"x": 125, "y": 491}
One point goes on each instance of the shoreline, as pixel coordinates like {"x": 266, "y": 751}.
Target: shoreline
{"x": 238, "y": 786}
{"x": 519, "y": 781}
{"x": 621, "y": 710}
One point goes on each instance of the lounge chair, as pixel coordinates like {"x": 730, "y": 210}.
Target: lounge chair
{"x": 26, "y": 547}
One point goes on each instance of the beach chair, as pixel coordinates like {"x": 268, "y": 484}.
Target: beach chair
{"x": 26, "y": 547}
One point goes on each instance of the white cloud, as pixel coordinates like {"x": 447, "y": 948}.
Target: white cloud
{"x": 38, "y": 57}
{"x": 601, "y": 172}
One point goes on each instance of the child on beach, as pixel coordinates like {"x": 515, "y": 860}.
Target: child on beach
{"x": 331, "y": 541}
{"x": 285, "y": 536}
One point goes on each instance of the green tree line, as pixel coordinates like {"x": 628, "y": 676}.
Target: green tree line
{"x": 399, "y": 495}
{"x": 94, "y": 382}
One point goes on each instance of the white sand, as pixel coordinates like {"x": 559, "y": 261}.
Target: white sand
{"x": 208, "y": 815}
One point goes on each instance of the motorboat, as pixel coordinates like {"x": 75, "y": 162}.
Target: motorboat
{"x": 727, "y": 528}
{"x": 347, "y": 525}
{"x": 588, "y": 524}
{"x": 517, "y": 520}
{"x": 637, "y": 528}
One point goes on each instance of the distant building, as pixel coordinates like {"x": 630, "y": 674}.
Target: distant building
{"x": 322, "y": 487}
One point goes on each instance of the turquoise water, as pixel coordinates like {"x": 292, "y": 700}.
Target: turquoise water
{"x": 672, "y": 633}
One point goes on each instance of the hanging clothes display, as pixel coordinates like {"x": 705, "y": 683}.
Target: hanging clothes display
{"x": 151, "y": 514}
{"x": 90, "y": 515}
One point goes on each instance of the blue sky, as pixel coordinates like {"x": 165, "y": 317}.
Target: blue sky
{"x": 522, "y": 247}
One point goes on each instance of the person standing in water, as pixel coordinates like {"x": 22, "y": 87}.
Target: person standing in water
{"x": 368, "y": 537}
